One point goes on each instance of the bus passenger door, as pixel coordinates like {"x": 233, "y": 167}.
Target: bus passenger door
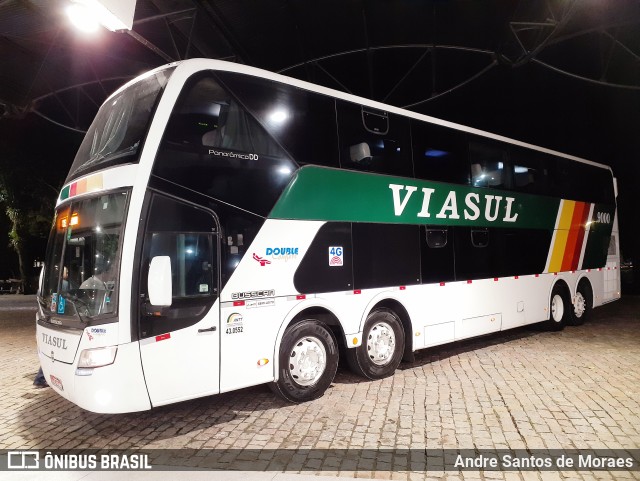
{"x": 180, "y": 343}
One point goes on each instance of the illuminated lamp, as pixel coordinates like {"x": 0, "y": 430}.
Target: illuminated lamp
{"x": 112, "y": 14}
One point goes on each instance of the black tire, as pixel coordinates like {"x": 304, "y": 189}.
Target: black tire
{"x": 383, "y": 326}
{"x": 560, "y": 308}
{"x": 304, "y": 381}
{"x": 582, "y": 304}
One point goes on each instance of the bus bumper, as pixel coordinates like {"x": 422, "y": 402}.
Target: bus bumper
{"x": 117, "y": 388}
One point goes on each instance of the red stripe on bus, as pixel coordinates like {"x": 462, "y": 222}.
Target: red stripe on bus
{"x": 162, "y": 337}
{"x": 572, "y": 238}
{"x": 300, "y": 297}
{"x": 238, "y": 303}
{"x": 575, "y": 264}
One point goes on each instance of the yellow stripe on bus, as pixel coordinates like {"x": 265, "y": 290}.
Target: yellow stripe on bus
{"x": 562, "y": 234}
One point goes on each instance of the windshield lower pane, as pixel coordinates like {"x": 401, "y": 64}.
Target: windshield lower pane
{"x": 117, "y": 132}
{"x": 83, "y": 259}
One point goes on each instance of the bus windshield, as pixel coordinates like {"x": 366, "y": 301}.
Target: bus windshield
{"x": 119, "y": 128}
{"x": 81, "y": 274}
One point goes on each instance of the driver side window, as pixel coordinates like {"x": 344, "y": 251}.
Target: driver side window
{"x": 188, "y": 235}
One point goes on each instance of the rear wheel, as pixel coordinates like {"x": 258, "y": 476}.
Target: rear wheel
{"x": 559, "y": 308}
{"x": 308, "y": 362}
{"x": 382, "y": 346}
{"x": 582, "y": 304}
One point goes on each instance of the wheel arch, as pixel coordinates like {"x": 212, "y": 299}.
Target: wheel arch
{"x": 584, "y": 280}
{"x": 563, "y": 284}
{"x": 399, "y": 309}
{"x": 308, "y": 310}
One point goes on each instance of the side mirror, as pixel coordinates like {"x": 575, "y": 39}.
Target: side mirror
{"x": 159, "y": 281}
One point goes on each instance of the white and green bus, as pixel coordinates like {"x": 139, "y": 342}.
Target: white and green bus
{"x": 223, "y": 227}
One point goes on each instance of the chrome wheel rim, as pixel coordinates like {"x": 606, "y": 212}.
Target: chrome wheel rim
{"x": 557, "y": 308}
{"x": 307, "y": 361}
{"x": 580, "y": 305}
{"x": 381, "y": 343}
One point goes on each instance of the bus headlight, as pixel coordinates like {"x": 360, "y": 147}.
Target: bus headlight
{"x": 101, "y": 356}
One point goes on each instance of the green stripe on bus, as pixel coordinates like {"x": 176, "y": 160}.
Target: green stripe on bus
{"x": 317, "y": 193}
{"x": 65, "y": 193}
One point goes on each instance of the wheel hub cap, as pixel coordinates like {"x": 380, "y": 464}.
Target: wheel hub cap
{"x": 557, "y": 308}
{"x": 307, "y": 361}
{"x": 580, "y": 305}
{"x": 381, "y": 343}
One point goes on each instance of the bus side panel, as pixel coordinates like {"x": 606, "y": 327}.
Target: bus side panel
{"x": 612, "y": 288}
{"x": 257, "y": 299}
{"x": 247, "y": 338}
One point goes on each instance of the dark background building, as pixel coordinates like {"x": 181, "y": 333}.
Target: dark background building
{"x": 562, "y": 74}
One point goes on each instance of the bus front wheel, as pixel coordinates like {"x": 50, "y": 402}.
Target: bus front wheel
{"x": 308, "y": 362}
{"x": 382, "y": 346}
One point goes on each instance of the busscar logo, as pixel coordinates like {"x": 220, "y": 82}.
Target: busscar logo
{"x": 238, "y": 296}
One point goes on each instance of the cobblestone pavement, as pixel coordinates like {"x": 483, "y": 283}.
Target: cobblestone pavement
{"x": 520, "y": 389}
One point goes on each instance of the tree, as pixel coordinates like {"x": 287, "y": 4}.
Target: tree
{"x": 30, "y": 179}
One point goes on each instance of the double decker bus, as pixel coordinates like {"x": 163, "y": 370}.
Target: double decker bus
{"x": 223, "y": 227}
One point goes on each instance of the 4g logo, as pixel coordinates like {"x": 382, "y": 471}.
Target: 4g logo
{"x": 336, "y": 256}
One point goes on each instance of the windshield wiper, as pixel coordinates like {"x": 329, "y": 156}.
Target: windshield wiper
{"x": 75, "y": 308}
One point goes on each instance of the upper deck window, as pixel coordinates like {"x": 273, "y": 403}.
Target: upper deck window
{"x": 439, "y": 153}
{"x": 119, "y": 129}
{"x": 302, "y": 122}
{"x": 374, "y": 141}
{"x": 488, "y": 166}
{"x": 214, "y": 146}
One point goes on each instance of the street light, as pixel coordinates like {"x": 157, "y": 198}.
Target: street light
{"x": 112, "y": 14}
